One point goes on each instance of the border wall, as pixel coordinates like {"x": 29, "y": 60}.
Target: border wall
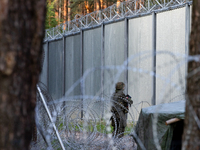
{"x": 148, "y": 52}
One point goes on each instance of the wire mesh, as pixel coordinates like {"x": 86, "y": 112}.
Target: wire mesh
{"x": 80, "y": 122}
{"x": 79, "y": 127}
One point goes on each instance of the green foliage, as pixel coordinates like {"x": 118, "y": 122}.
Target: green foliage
{"x": 100, "y": 127}
{"x": 60, "y": 126}
{"x": 55, "y": 144}
{"x": 50, "y": 16}
{"x": 79, "y": 7}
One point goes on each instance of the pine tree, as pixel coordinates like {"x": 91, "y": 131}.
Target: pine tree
{"x": 83, "y": 7}
{"x": 50, "y": 15}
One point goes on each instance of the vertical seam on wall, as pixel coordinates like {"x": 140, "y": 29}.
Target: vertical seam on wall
{"x": 154, "y": 18}
{"x": 48, "y": 66}
{"x": 126, "y": 52}
{"x": 81, "y": 65}
{"x": 64, "y": 66}
{"x": 102, "y": 61}
{"x": 187, "y": 35}
{"x": 64, "y": 102}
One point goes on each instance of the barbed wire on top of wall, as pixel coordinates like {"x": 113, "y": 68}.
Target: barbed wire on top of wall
{"x": 112, "y": 13}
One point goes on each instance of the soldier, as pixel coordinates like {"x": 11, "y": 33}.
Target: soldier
{"x": 119, "y": 109}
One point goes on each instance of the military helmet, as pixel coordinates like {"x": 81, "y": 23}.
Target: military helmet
{"x": 119, "y": 85}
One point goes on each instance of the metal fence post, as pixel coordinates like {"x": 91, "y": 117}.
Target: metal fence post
{"x": 187, "y": 34}
{"x": 81, "y": 66}
{"x": 153, "y": 102}
{"x": 86, "y": 20}
{"x": 63, "y": 65}
{"x": 102, "y": 62}
{"x": 53, "y": 32}
{"x": 126, "y": 50}
{"x": 187, "y": 28}
{"x": 48, "y": 66}
{"x": 100, "y": 17}
{"x": 64, "y": 71}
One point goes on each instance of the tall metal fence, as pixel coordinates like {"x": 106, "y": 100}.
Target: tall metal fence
{"x": 141, "y": 43}
{"x": 144, "y": 46}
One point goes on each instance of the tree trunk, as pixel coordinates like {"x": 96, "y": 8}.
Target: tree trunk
{"x": 65, "y": 10}
{"x": 21, "y": 36}
{"x": 69, "y": 11}
{"x": 98, "y": 5}
{"x": 191, "y": 136}
{"x": 62, "y": 11}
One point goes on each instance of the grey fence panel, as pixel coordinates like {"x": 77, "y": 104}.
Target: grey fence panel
{"x": 44, "y": 65}
{"x": 92, "y": 70}
{"x": 73, "y": 71}
{"x": 140, "y": 62}
{"x": 92, "y": 61}
{"x": 73, "y": 74}
{"x": 56, "y": 69}
{"x": 170, "y": 60}
{"x": 114, "y": 56}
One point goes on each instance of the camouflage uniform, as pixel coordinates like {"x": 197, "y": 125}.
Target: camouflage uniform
{"x": 119, "y": 110}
